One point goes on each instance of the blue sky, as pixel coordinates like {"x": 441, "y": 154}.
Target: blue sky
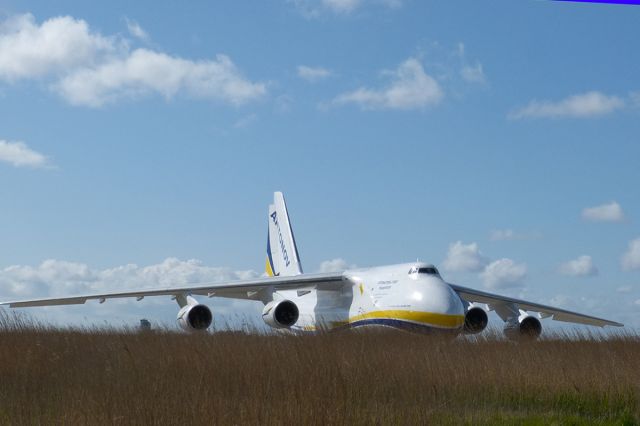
{"x": 140, "y": 145}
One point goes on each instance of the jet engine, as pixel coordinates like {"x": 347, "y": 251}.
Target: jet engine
{"x": 280, "y": 313}
{"x": 527, "y": 328}
{"x": 475, "y": 321}
{"x": 195, "y": 317}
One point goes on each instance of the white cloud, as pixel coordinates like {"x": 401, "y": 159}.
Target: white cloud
{"x": 91, "y": 70}
{"x": 624, "y": 289}
{"x": 469, "y": 73}
{"x": 20, "y": 155}
{"x": 59, "y": 278}
{"x": 504, "y": 273}
{"x": 313, "y": 74}
{"x": 510, "y": 234}
{"x": 410, "y": 88}
{"x": 315, "y": 8}
{"x": 342, "y": 6}
{"x": 586, "y": 105}
{"x": 503, "y": 234}
{"x": 473, "y": 74}
{"x": 631, "y": 259}
{"x": 56, "y": 278}
{"x": 136, "y": 30}
{"x": 335, "y": 265}
{"x": 637, "y": 302}
{"x": 30, "y": 50}
{"x": 611, "y": 212}
{"x": 464, "y": 258}
{"x": 145, "y": 71}
{"x": 581, "y": 267}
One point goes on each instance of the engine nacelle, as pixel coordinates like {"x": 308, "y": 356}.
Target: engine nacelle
{"x": 475, "y": 321}
{"x": 527, "y": 328}
{"x": 280, "y": 313}
{"x": 195, "y": 317}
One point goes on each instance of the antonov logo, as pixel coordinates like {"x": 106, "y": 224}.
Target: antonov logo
{"x": 282, "y": 247}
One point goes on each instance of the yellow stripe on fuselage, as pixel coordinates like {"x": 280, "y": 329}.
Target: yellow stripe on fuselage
{"x": 424, "y": 318}
{"x": 427, "y": 319}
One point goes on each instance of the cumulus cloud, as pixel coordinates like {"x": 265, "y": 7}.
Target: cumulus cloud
{"x": 313, "y": 74}
{"x": 30, "y": 50}
{"x": 19, "y": 154}
{"x": 335, "y": 265}
{"x": 504, "y": 273}
{"x": 62, "y": 278}
{"x": 57, "y": 278}
{"x": 611, "y": 212}
{"x": 464, "y": 258}
{"x": 410, "y": 88}
{"x": 631, "y": 259}
{"x": 50, "y": 278}
{"x": 581, "y": 267}
{"x": 585, "y": 105}
{"x": 91, "y": 70}
{"x": 145, "y": 71}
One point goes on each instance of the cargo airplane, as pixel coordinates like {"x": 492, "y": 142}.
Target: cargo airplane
{"x": 410, "y": 296}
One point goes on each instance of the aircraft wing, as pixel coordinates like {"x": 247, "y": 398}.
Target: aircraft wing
{"x": 504, "y": 305}
{"x": 242, "y": 289}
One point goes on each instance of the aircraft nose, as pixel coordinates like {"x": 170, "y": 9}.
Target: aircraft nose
{"x": 435, "y": 296}
{"x": 443, "y": 299}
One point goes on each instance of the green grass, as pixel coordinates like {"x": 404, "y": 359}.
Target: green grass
{"x": 51, "y": 376}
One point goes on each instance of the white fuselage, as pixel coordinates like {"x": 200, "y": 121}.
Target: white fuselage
{"x": 387, "y": 296}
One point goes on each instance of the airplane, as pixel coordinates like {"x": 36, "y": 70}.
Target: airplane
{"x": 409, "y": 296}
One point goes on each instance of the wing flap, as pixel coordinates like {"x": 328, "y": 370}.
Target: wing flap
{"x": 246, "y": 289}
{"x": 496, "y": 301}
{"x": 47, "y": 302}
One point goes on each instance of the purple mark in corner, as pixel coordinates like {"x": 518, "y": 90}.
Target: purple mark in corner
{"x": 636, "y": 2}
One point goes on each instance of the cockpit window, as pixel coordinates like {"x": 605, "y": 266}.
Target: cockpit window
{"x": 429, "y": 270}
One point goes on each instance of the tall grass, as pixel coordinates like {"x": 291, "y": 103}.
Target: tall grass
{"x": 52, "y": 376}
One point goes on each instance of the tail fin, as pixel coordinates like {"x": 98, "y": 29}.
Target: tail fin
{"x": 282, "y": 253}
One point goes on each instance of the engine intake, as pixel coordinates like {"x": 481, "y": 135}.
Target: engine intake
{"x": 195, "y": 317}
{"x": 280, "y": 313}
{"x": 527, "y": 328}
{"x": 475, "y": 321}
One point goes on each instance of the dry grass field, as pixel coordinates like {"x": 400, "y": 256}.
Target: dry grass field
{"x": 53, "y": 376}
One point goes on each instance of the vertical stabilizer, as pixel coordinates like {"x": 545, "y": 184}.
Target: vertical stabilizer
{"x": 282, "y": 253}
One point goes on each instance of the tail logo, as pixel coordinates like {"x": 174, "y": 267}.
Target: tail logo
{"x": 285, "y": 255}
